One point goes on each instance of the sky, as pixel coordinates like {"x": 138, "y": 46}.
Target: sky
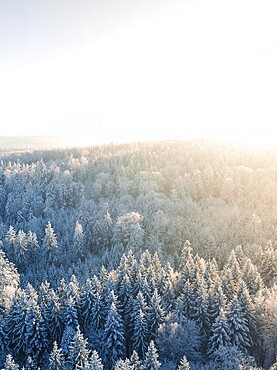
{"x": 124, "y": 70}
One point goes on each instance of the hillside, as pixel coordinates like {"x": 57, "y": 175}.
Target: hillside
{"x": 147, "y": 254}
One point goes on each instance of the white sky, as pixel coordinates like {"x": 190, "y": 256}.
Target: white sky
{"x": 126, "y": 70}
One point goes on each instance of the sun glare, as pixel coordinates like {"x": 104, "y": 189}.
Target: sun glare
{"x": 199, "y": 69}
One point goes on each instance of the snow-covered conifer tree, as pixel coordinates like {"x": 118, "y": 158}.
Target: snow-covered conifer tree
{"x": 239, "y": 329}
{"x": 78, "y": 241}
{"x": 114, "y": 337}
{"x": 30, "y": 364}
{"x": 155, "y": 314}
{"x": 10, "y": 364}
{"x": 56, "y": 359}
{"x": 78, "y": 353}
{"x": 95, "y": 362}
{"x": 151, "y": 361}
{"x": 184, "y": 364}
{"x": 135, "y": 362}
{"x": 219, "y": 334}
{"x": 140, "y": 334}
{"x": 71, "y": 324}
{"x": 50, "y": 244}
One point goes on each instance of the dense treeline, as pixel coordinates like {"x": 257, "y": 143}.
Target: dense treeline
{"x": 96, "y": 271}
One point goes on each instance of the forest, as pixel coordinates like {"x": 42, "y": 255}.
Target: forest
{"x": 142, "y": 256}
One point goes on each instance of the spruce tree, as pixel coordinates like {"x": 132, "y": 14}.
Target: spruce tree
{"x": 10, "y": 364}
{"x": 10, "y": 240}
{"x": 187, "y": 298}
{"x": 71, "y": 324}
{"x": 135, "y": 362}
{"x": 239, "y": 329}
{"x": 20, "y": 248}
{"x": 30, "y": 364}
{"x": 114, "y": 337}
{"x": 140, "y": 334}
{"x": 78, "y": 353}
{"x": 16, "y": 325}
{"x": 216, "y": 301}
{"x": 151, "y": 361}
{"x": 53, "y": 318}
{"x": 187, "y": 266}
{"x": 97, "y": 312}
{"x": 56, "y": 359}
{"x": 184, "y": 364}
{"x": 78, "y": 241}
{"x": 252, "y": 277}
{"x": 85, "y": 305}
{"x": 35, "y": 338}
{"x": 220, "y": 335}
{"x": 95, "y": 362}
{"x": 249, "y": 310}
{"x": 155, "y": 314}
{"x": 178, "y": 311}
{"x": 200, "y": 306}
{"x": 3, "y": 335}
{"x": 122, "y": 365}
{"x": 50, "y": 244}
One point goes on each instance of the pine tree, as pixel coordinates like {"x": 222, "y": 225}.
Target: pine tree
{"x": 10, "y": 239}
{"x": 3, "y": 335}
{"x": 250, "y": 313}
{"x": 20, "y": 248}
{"x": 114, "y": 337}
{"x": 216, "y": 301}
{"x": 30, "y": 364}
{"x": 151, "y": 361}
{"x": 123, "y": 365}
{"x": 53, "y": 318}
{"x": 71, "y": 325}
{"x": 200, "y": 306}
{"x": 16, "y": 325}
{"x": 219, "y": 334}
{"x": 109, "y": 298}
{"x": 73, "y": 289}
{"x": 56, "y": 359}
{"x": 178, "y": 311}
{"x": 137, "y": 281}
{"x": 35, "y": 338}
{"x": 132, "y": 313}
{"x": 140, "y": 334}
{"x": 234, "y": 266}
{"x": 32, "y": 246}
{"x": 9, "y": 281}
{"x": 155, "y": 314}
{"x": 50, "y": 244}
{"x": 187, "y": 268}
{"x": 187, "y": 298}
{"x": 78, "y": 353}
{"x": 239, "y": 330}
{"x": 135, "y": 362}
{"x": 252, "y": 277}
{"x": 124, "y": 291}
{"x": 78, "y": 241}
{"x": 87, "y": 298}
{"x": 167, "y": 293}
{"x": 10, "y": 364}
{"x": 229, "y": 286}
{"x": 97, "y": 313}
{"x": 95, "y": 362}
{"x": 184, "y": 364}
